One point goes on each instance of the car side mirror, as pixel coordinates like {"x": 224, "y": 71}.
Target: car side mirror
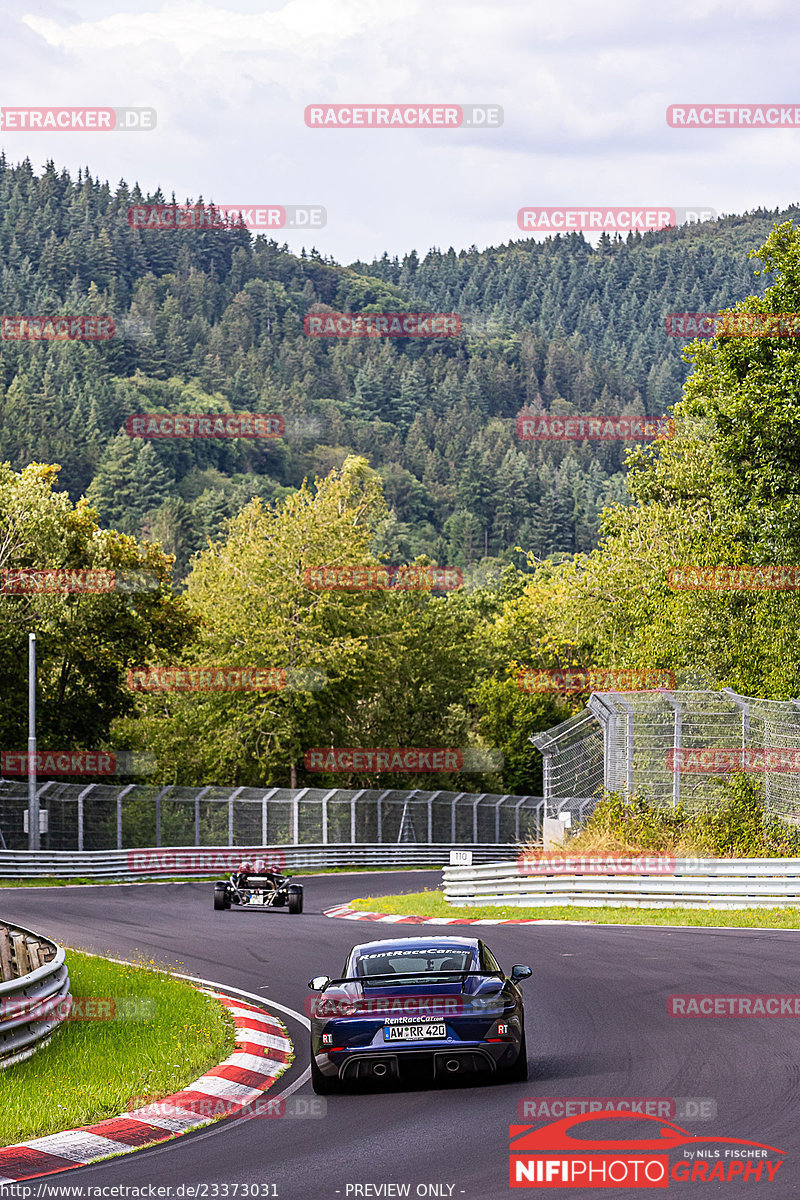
{"x": 319, "y": 982}
{"x": 520, "y": 973}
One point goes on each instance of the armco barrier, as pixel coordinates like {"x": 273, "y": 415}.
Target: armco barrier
{"x": 45, "y": 988}
{"x": 187, "y": 862}
{"x": 718, "y": 883}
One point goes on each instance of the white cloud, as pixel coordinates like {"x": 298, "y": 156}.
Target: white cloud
{"x": 584, "y": 88}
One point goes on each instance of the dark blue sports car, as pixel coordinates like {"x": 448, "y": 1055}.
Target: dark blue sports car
{"x": 421, "y": 1006}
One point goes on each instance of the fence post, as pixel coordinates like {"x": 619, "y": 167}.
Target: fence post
{"x": 325, "y": 800}
{"x": 545, "y": 745}
{"x": 120, "y": 797}
{"x": 431, "y": 799}
{"x": 296, "y": 798}
{"x": 677, "y": 743}
{"x": 453, "y": 817}
{"x": 475, "y": 818}
{"x": 357, "y": 796}
{"x": 197, "y": 800}
{"x": 267, "y": 795}
{"x": 163, "y": 792}
{"x": 381, "y": 798}
{"x": 628, "y": 745}
{"x": 497, "y": 808}
{"x": 231, "y": 799}
{"x": 85, "y": 792}
{"x": 516, "y": 815}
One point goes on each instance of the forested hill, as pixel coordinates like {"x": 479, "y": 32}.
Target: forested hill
{"x": 212, "y": 320}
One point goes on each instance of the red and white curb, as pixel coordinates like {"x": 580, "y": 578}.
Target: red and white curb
{"x": 346, "y": 913}
{"x": 263, "y": 1053}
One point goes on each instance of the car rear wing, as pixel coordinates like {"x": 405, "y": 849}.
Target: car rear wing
{"x": 397, "y": 976}
{"x": 249, "y": 880}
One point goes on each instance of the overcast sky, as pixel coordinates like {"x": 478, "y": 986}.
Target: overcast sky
{"x": 584, "y": 88}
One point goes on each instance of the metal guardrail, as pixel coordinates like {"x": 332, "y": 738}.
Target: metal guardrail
{"x": 29, "y": 984}
{"x": 187, "y": 862}
{"x": 695, "y": 883}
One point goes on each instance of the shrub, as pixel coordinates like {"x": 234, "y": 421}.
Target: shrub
{"x": 736, "y": 825}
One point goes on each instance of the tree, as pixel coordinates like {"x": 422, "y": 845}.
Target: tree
{"x": 86, "y": 640}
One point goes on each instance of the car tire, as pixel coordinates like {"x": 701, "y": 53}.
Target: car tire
{"x": 518, "y": 1071}
{"x": 295, "y": 895}
{"x": 323, "y": 1085}
{"x": 221, "y": 899}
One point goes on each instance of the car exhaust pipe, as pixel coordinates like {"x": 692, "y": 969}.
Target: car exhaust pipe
{"x": 379, "y": 1069}
{"x": 452, "y": 1065}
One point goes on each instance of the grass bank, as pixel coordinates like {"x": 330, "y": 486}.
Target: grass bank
{"x": 92, "y": 1069}
{"x": 433, "y": 904}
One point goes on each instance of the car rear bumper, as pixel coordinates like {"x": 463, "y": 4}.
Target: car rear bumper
{"x": 439, "y": 1061}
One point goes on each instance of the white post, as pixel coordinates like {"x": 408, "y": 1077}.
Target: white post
{"x": 34, "y": 839}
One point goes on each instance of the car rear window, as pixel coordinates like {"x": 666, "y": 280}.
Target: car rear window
{"x": 413, "y": 962}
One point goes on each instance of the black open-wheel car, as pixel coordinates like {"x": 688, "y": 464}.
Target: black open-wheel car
{"x": 263, "y": 889}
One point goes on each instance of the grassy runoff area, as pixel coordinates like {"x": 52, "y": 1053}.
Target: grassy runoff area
{"x": 93, "y": 1069}
{"x": 433, "y": 904}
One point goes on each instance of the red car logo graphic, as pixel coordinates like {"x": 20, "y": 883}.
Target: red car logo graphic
{"x": 556, "y": 1136}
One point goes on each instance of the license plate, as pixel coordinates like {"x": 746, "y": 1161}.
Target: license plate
{"x": 413, "y": 1033}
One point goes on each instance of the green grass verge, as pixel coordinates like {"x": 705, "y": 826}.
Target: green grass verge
{"x": 92, "y": 1069}
{"x": 433, "y": 904}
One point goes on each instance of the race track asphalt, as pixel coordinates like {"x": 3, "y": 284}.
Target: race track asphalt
{"x": 597, "y": 1022}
